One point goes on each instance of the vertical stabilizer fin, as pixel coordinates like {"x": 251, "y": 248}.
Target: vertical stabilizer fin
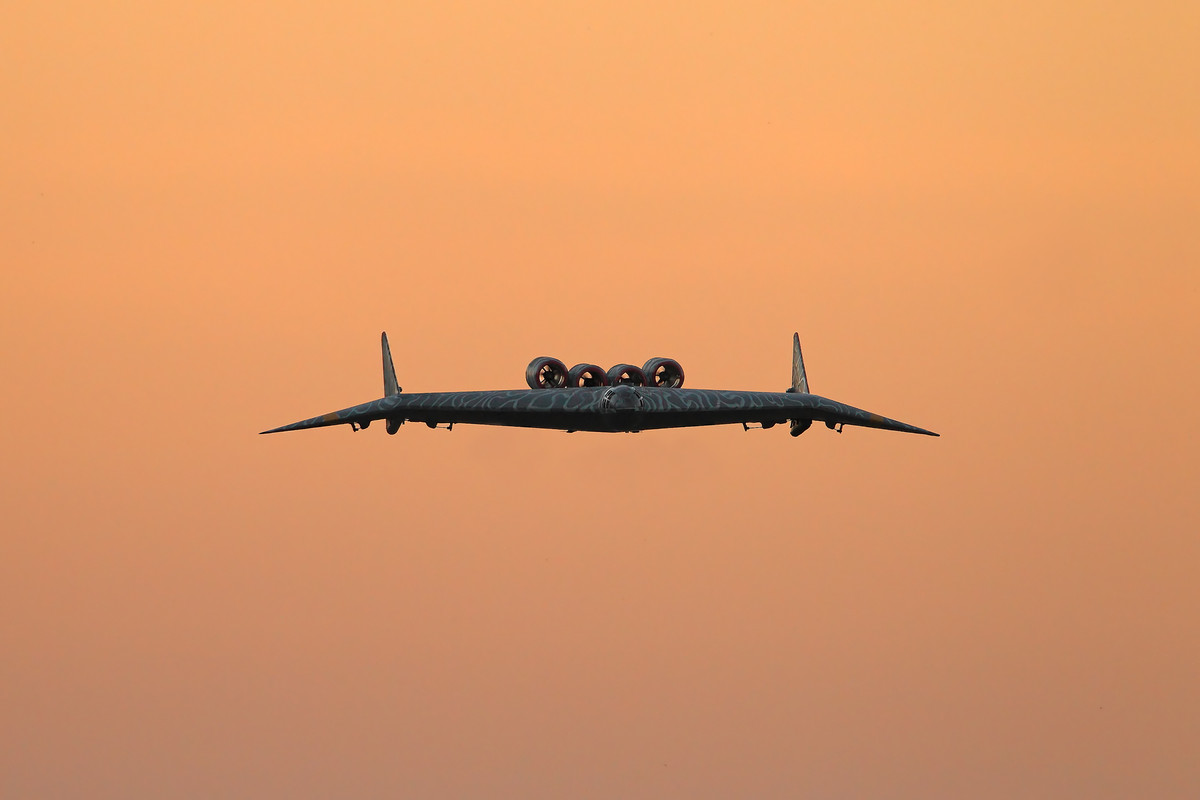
{"x": 799, "y": 385}
{"x": 389, "y": 372}
{"x": 799, "y": 379}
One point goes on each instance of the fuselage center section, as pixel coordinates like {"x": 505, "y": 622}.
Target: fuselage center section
{"x": 622, "y": 399}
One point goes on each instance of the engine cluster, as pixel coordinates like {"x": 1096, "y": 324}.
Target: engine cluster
{"x": 545, "y": 372}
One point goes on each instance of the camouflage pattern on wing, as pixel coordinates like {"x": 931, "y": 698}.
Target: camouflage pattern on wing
{"x": 604, "y": 408}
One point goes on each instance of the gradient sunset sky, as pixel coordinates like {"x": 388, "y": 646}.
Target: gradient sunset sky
{"x": 982, "y": 218}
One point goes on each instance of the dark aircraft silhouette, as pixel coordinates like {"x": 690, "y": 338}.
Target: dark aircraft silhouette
{"x": 589, "y": 398}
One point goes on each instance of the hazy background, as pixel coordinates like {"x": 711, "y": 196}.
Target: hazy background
{"x": 982, "y": 219}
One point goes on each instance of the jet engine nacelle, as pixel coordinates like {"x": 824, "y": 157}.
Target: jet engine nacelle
{"x": 586, "y": 375}
{"x": 665, "y": 373}
{"x": 626, "y": 374}
{"x": 545, "y": 372}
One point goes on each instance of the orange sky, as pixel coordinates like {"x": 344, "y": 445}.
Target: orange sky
{"x": 981, "y": 220}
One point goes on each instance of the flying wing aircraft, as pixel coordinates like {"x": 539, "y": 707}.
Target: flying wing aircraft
{"x": 624, "y": 398}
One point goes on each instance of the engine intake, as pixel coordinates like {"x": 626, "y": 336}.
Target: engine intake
{"x": 586, "y": 375}
{"x": 545, "y": 372}
{"x": 626, "y": 374}
{"x": 664, "y": 373}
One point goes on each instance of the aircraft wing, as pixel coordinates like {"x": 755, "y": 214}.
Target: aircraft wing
{"x": 622, "y": 408}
